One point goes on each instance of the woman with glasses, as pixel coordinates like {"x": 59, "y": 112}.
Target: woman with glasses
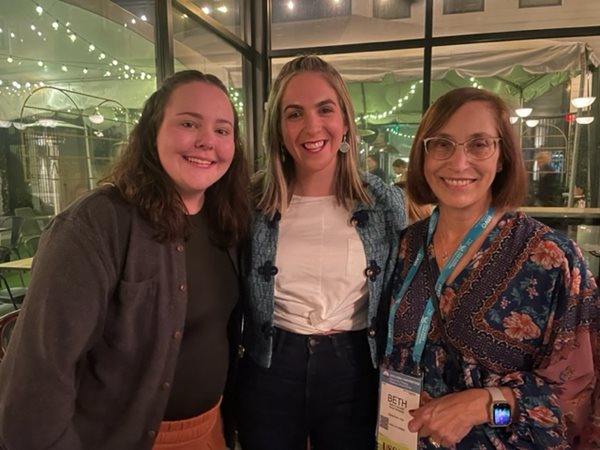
{"x": 495, "y": 313}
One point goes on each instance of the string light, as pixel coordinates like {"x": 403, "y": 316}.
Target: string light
{"x": 19, "y": 87}
{"x": 392, "y": 111}
{"x": 401, "y": 101}
{"x": 237, "y": 101}
{"x": 73, "y": 36}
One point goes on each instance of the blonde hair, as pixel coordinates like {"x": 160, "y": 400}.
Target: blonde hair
{"x": 272, "y": 186}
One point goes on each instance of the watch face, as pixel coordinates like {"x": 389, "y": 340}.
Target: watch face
{"x": 501, "y": 414}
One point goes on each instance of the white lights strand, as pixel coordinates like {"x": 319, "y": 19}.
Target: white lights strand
{"x": 392, "y": 111}
{"x": 237, "y": 101}
{"x": 120, "y": 70}
{"x": 402, "y": 100}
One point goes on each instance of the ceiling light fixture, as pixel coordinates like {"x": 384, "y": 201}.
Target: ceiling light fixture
{"x": 582, "y": 102}
{"x": 96, "y": 118}
{"x": 523, "y": 112}
{"x": 585, "y": 120}
{"x": 532, "y": 123}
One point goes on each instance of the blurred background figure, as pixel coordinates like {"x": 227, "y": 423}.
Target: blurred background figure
{"x": 400, "y": 167}
{"x": 549, "y": 188}
{"x": 414, "y": 211}
{"x": 374, "y": 169}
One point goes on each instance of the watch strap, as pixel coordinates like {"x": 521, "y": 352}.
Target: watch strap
{"x": 496, "y": 394}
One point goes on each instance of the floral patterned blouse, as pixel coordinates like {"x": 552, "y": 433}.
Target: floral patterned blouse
{"x": 524, "y": 313}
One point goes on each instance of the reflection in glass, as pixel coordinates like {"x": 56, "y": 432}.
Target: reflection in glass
{"x": 295, "y": 10}
{"x": 498, "y": 16}
{"x": 320, "y": 23}
{"x": 197, "y": 48}
{"x": 60, "y": 63}
{"x": 229, "y": 13}
{"x": 463, "y": 6}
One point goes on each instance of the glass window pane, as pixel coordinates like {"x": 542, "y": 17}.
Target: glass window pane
{"x": 497, "y": 16}
{"x": 197, "y": 48}
{"x": 534, "y": 3}
{"x": 462, "y": 6}
{"x": 229, "y": 13}
{"x": 317, "y": 23}
{"x": 384, "y": 9}
{"x": 386, "y": 92}
{"x": 73, "y": 81}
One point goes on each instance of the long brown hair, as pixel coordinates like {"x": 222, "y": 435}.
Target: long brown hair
{"x": 510, "y": 184}
{"x": 272, "y": 188}
{"x": 142, "y": 181}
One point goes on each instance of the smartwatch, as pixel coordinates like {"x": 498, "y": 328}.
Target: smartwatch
{"x": 500, "y": 415}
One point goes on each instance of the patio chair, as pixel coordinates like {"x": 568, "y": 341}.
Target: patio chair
{"x": 31, "y": 244}
{"x": 4, "y": 254}
{"x": 14, "y": 295}
{"x": 30, "y": 225}
{"x": 15, "y": 224}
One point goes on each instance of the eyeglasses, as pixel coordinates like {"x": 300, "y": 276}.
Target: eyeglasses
{"x": 478, "y": 148}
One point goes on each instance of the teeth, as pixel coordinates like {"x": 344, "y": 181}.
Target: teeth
{"x": 457, "y": 182}
{"x": 201, "y": 162}
{"x": 314, "y": 145}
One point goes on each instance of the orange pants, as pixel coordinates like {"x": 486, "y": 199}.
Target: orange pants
{"x": 204, "y": 432}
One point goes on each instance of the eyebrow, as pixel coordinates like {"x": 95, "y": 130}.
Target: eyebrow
{"x": 325, "y": 102}
{"x": 471, "y": 136}
{"x": 201, "y": 117}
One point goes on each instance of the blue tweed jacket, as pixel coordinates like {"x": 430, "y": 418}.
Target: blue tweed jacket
{"x": 378, "y": 226}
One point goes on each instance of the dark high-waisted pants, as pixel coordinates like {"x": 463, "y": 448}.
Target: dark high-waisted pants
{"x": 322, "y": 387}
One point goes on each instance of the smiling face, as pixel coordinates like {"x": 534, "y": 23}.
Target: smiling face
{"x": 195, "y": 140}
{"x": 461, "y": 183}
{"x": 312, "y": 127}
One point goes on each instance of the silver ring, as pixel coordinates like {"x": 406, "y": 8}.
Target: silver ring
{"x": 436, "y": 444}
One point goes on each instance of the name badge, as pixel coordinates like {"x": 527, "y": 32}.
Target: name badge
{"x": 398, "y": 393}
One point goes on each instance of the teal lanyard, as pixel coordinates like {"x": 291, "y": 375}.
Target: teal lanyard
{"x": 425, "y": 322}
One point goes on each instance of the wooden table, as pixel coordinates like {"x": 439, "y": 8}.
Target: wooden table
{"x": 18, "y": 264}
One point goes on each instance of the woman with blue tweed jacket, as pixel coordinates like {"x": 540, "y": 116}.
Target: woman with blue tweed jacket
{"x": 323, "y": 248}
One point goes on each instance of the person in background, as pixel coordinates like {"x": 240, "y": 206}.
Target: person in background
{"x": 512, "y": 356}
{"x": 549, "y": 188}
{"x": 400, "y": 168}
{"x": 415, "y": 212}
{"x": 324, "y": 243}
{"x": 374, "y": 169}
{"x": 122, "y": 342}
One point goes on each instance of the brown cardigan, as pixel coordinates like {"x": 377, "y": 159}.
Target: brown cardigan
{"x": 96, "y": 344}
